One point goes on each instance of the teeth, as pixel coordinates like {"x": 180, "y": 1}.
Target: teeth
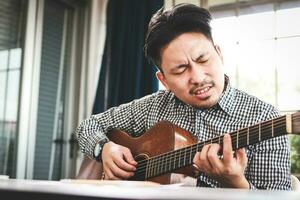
{"x": 202, "y": 91}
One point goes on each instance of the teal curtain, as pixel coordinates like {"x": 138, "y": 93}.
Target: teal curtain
{"x": 125, "y": 73}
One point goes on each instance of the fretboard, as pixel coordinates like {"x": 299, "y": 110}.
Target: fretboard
{"x": 171, "y": 161}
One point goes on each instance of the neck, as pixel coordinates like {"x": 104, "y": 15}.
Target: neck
{"x": 180, "y": 158}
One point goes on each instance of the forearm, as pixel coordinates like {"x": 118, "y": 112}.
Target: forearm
{"x": 128, "y": 117}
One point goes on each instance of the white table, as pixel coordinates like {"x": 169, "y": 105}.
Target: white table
{"x": 71, "y": 190}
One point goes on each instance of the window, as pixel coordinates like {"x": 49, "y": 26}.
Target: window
{"x": 11, "y": 41}
{"x": 260, "y": 52}
{"x": 261, "y": 47}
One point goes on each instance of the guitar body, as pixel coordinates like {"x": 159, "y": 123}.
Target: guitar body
{"x": 161, "y": 138}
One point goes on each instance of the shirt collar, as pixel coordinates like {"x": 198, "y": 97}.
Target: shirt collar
{"x": 226, "y": 101}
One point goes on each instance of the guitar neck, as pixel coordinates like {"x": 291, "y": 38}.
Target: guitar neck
{"x": 171, "y": 161}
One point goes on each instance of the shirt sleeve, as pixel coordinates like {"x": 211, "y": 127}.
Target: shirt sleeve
{"x": 128, "y": 117}
{"x": 269, "y": 161}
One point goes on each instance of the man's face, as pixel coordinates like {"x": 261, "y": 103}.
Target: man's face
{"x": 193, "y": 70}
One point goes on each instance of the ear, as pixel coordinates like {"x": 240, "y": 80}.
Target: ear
{"x": 161, "y": 77}
{"x": 218, "y": 49}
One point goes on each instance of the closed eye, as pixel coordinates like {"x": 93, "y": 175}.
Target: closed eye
{"x": 180, "y": 69}
{"x": 203, "y": 58}
{"x": 202, "y": 61}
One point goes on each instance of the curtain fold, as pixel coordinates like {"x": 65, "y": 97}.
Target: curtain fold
{"x": 125, "y": 73}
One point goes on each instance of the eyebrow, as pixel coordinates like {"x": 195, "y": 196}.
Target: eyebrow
{"x": 202, "y": 54}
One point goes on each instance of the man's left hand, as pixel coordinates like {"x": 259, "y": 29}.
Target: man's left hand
{"x": 229, "y": 170}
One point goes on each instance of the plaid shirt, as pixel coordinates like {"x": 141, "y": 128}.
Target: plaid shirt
{"x": 268, "y": 161}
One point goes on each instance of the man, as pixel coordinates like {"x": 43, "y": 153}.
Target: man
{"x": 199, "y": 99}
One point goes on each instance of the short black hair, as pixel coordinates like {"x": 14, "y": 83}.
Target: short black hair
{"x": 165, "y": 26}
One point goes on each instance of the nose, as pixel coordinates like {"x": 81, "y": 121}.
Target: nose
{"x": 197, "y": 74}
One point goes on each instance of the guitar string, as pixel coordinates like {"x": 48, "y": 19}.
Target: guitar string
{"x": 172, "y": 155}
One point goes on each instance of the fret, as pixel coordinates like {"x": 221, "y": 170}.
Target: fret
{"x": 197, "y": 147}
{"x": 248, "y": 136}
{"x": 159, "y": 164}
{"x": 259, "y": 132}
{"x": 174, "y": 162}
{"x": 191, "y": 148}
{"x": 147, "y": 168}
{"x": 169, "y": 163}
{"x": 237, "y": 139}
{"x": 272, "y": 128}
{"x": 165, "y": 164}
{"x": 184, "y": 157}
{"x": 179, "y": 158}
{"x": 162, "y": 164}
{"x": 151, "y": 167}
{"x": 155, "y": 165}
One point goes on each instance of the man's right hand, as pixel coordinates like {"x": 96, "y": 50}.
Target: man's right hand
{"x": 118, "y": 162}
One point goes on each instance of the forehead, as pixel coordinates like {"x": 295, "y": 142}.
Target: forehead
{"x": 185, "y": 45}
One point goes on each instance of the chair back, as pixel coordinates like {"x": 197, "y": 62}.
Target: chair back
{"x": 295, "y": 183}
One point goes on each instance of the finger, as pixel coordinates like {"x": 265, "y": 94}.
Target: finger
{"x": 196, "y": 160}
{"x": 196, "y": 167}
{"x": 129, "y": 158}
{"x": 120, "y": 173}
{"x": 196, "y": 170}
{"x": 241, "y": 157}
{"x": 204, "y": 163}
{"x": 227, "y": 150}
{"x": 213, "y": 157}
{"x": 121, "y": 163}
{"x": 109, "y": 175}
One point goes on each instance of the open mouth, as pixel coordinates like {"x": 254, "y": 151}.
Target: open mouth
{"x": 202, "y": 93}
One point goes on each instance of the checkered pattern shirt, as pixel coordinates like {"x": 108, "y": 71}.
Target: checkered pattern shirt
{"x": 268, "y": 161}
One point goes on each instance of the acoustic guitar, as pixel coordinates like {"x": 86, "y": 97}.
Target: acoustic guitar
{"x": 166, "y": 148}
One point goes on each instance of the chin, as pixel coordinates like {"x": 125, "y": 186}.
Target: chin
{"x": 207, "y": 104}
